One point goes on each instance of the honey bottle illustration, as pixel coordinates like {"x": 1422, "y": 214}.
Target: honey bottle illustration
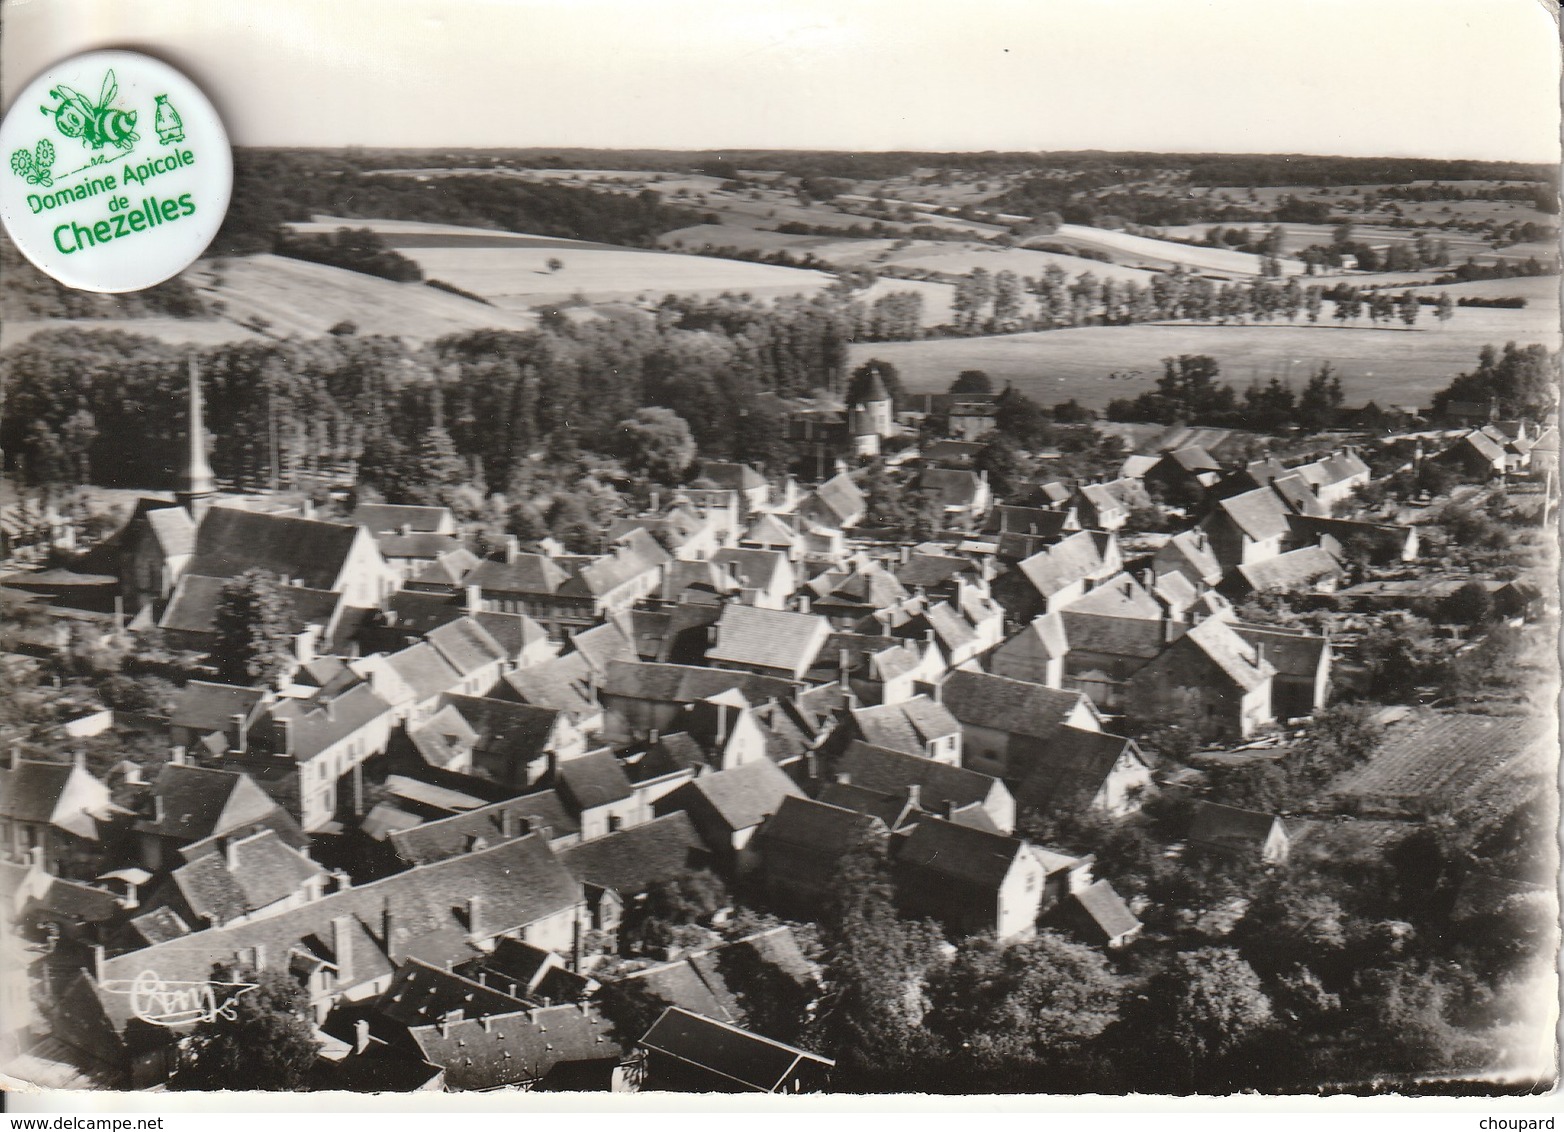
{"x": 170, "y": 127}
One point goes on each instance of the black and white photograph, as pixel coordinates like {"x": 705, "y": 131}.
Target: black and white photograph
{"x": 779, "y": 547}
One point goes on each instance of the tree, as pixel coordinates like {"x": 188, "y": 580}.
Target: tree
{"x": 556, "y": 264}
{"x": 253, "y": 627}
{"x": 1200, "y": 1009}
{"x": 268, "y": 1042}
{"x": 876, "y": 965}
{"x": 972, "y": 381}
{"x": 1007, "y": 471}
{"x": 1445, "y": 311}
{"x": 1472, "y": 604}
{"x": 1409, "y": 308}
{"x": 656, "y": 442}
{"x": 1008, "y": 1008}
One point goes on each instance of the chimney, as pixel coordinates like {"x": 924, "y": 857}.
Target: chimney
{"x": 915, "y": 795}
{"x": 385, "y": 928}
{"x": 722, "y": 725}
{"x": 510, "y": 824}
{"x": 98, "y": 956}
{"x": 159, "y": 806}
{"x": 473, "y": 599}
{"x": 79, "y": 759}
{"x": 803, "y": 603}
{"x": 340, "y": 880}
{"x": 546, "y": 832}
{"x": 512, "y": 548}
{"x": 284, "y": 735}
{"x": 241, "y": 739}
{"x": 342, "y": 948}
{"x": 16, "y": 756}
{"x": 405, "y": 530}
{"x": 652, "y": 737}
{"x": 656, "y": 498}
{"x": 950, "y": 810}
{"x": 937, "y": 691}
{"x": 474, "y": 909}
{"x": 843, "y": 778}
{"x": 361, "y": 1035}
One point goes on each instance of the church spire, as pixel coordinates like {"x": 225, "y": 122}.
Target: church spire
{"x": 196, "y": 484}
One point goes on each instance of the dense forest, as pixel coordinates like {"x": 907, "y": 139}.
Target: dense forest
{"x": 274, "y": 186}
{"x": 109, "y": 407}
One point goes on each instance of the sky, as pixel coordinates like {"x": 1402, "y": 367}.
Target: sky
{"x": 1425, "y": 78}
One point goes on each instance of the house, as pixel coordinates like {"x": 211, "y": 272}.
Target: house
{"x": 801, "y": 848}
{"x": 936, "y": 787}
{"x": 1182, "y": 474}
{"x": 307, "y": 553}
{"x": 774, "y": 532}
{"x": 542, "y": 812}
{"x": 303, "y": 747}
{"x": 1379, "y": 543}
{"x": 728, "y": 806}
{"x": 999, "y": 715}
{"x": 1303, "y": 664}
{"x": 963, "y": 497}
{"x": 415, "y": 555}
{"x": 571, "y": 1046}
{"x": 748, "y": 484}
{"x": 1299, "y": 494}
{"x": 154, "y": 549}
{"x": 246, "y": 878}
{"x": 1335, "y": 477}
{"x": 970, "y": 879}
{"x": 1054, "y": 577}
{"x": 641, "y": 698}
{"x": 877, "y": 669}
{"x": 317, "y": 619}
{"x": 509, "y": 743}
{"x": 394, "y": 518}
{"x": 686, "y": 534}
{"x": 212, "y": 715}
{"x": 1189, "y": 553}
{"x": 598, "y": 794}
{"x": 616, "y": 581}
{"x": 1475, "y": 455}
{"x": 187, "y": 805}
{"x": 962, "y": 630}
{"x": 1073, "y": 770}
{"x": 343, "y": 946}
{"x": 1544, "y": 455}
{"x": 690, "y": 1053}
{"x": 768, "y": 642}
{"x": 1255, "y": 837}
{"x": 622, "y": 866}
{"x": 536, "y": 585}
{"x": 54, "y": 813}
{"x": 1309, "y": 569}
{"x": 1247, "y": 528}
{"x": 847, "y": 597}
{"x": 941, "y": 575}
{"x": 1111, "y": 641}
{"x": 1098, "y": 915}
{"x": 838, "y": 504}
{"x": 766, "y": 578}
{"x": 919, "y": 726}
{"x": 1036, "y": 654}
{"x": 1210, "y": 680}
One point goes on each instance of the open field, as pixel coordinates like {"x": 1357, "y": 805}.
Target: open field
{"x": 1391, "y": 366}
{"x": 178, "y": 331}
{"x": 295, "y": 297}
{"x": 1439, "y": 761}
{"x": 516, "y": 278}
{"x": 1142, "y": 251}
{"x": 1537, "y": 290}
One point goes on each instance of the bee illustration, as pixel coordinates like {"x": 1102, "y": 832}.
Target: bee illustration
{"x": 97, "y": 125}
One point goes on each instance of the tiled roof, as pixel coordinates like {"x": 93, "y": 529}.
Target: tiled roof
{"x": 939, "y": 784}
{"x": 1106, "y": 908}
{"x": 841, "y": 497}
{"x": 192, "y": 608}
{"x": 768, "y": 638}
{"x": 551, "y": 685}
{"x": 602, "y": 644}
{"x": 423, "y": 670}
{"x": 683, "y": 683}
{"x": 732, "y": 476}
{"x": 959, "y": 853}
{"x": 449, "y": 569}
{"x": 483, "y": 827}
{"x": 513, "y": 632}
{"x": 753, "y": 1062}
{"x": 906, "y": 726}
{"x": 752, "y": 568}
{"x": 1047, "y": 633}
{"x": 1070, "y": 766}
{"x": 1072, "y": 559}
{"x": 1194, "y": 458}
{"x": 528, "y": 574}
{"x": 1293, "y": 652}
{"x": 306, "y": 552}
{"x": 1229, "y": 827}
{"x": 1231, "y": 653}
{"x": 1258, "y": 514}
{"x": 422, "y": 546}
{"x": 422, "y": 993}
{"x": 592, "y": 780}
{"x": 261, "y": 871}
{"x": 317, "y": 724}
{"x": 1297, "y": 569}
{"x": 1176, "y": 590}
{"x": 382, "y": 518}
{"x": 770, "y": 530}
{"x": 931, "y": 570}
{"x": 159, "y": 925}
{"x": 1296, "y": 492}
{"x": 630, "y": 861}
{"x": 1102, "y": 500}
{"x": 952, "y": 487}
{"x": 203, "y": 706}
{"x": 199, "y": 802}
{"x": 891, "y": 809}
{"x": 817, "y": 828}
{"x": 1139, "y": 637}
{"x": 516, "y": 1049}
{"x": 466, "y": 645}
{"x": 1118, "y": 596}
{"x": 1190, "y": 551}
{"x": 745, "y": 795}
{"x": 998, "y": 702}
{"x": 172, "y": 528}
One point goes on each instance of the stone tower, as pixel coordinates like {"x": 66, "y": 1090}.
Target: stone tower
{"x": 869, "y": 414}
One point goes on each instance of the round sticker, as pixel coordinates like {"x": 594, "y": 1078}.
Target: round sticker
{"x": 119, "y": 171}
